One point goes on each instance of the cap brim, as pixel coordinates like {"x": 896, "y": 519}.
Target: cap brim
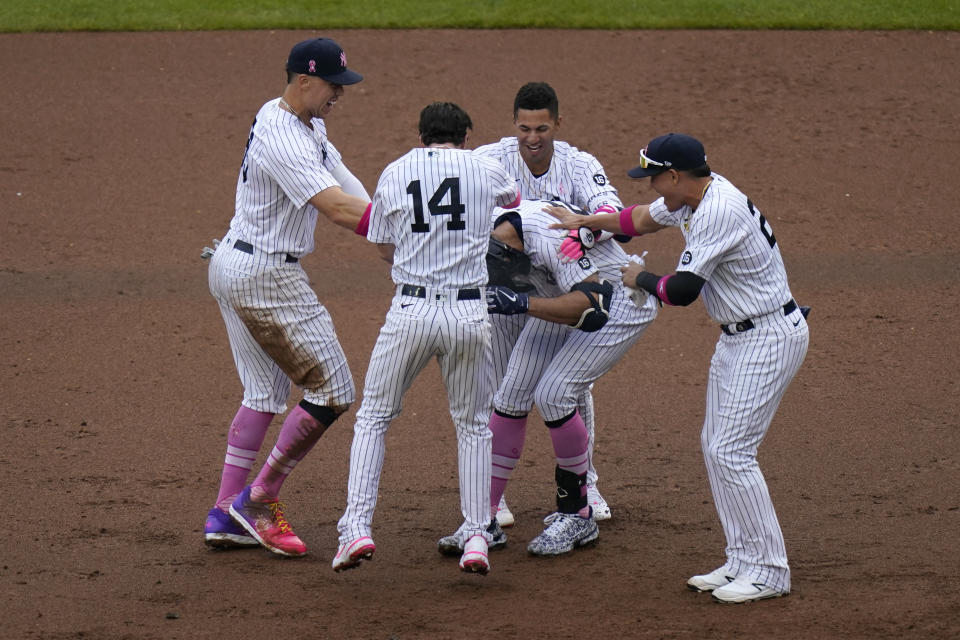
{"x": 640, "y": 172}
{"x": 344, "y": 77}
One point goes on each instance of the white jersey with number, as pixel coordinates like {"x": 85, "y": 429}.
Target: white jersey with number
{"x": 431, "y": 204}
{"x": 731, "y": 246}
{"x": 552, "y": 365}
{"x": 549, "y": 276}
{"x": 286, "y": 163}
{"x": 574, "y": 176}
{"x": 434, "y": 205}
{"x": 279, "y": 332}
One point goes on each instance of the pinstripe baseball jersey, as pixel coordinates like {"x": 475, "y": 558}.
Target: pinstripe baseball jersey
{"x": 285, "y": 164}
{"x": 549, "y": 276}
{"x": 731, "y": 245}
{"x": 574, "y": 176}
{"x": 420, "y": 199}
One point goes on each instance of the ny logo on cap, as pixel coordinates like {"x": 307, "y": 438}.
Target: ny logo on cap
{"x": 313, "y": 66}
{"x": 343, "y": 59}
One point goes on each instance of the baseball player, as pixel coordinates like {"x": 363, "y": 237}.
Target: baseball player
{"x": 732, "y": 260}
{"x": 550, "y": 169}
{"x": 551, "y": 363}
{"x": 279, "y": 332}
{"x": 432, "y": 219}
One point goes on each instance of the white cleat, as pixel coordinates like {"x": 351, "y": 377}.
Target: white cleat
{"x": 504, "y": 515}
{"x": 743, "y": 589}
{"x": 710, "y": 581}
{"x": 601, "y": 510}
{"x": 475, "y": 558}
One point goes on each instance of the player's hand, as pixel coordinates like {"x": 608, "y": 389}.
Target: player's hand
{"x": 566, "y": 218}
{"x": 576, "y": 242}
{"x": 209, "y": 251}
{"x": 630, "y": 273}
{"x": 506, "y": 301}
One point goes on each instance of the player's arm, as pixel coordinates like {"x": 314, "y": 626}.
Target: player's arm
{"x": 343, "y": 209}
{"x": 632, "y": 221}
{"x": 386, "y": 249}
{"x": 680, "y": 288}
{"x": 349, "y": 182}
{"x": 586, "y": 307}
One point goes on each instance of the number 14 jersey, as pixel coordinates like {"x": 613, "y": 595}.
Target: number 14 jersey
{"x": 434, "y": 205}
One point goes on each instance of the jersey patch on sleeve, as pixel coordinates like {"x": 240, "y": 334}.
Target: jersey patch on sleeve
{"x": 600, "y": 179}
{"x": 584, "y": 263}
{"x": 687, "y": 258}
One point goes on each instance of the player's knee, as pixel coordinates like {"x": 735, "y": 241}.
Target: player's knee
{"x": 550, "y": 394}
{"x": 325, "y": 415}
{"x": 725, "y": 455}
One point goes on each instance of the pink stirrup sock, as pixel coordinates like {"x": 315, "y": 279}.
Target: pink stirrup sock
{"x": 244, "y": 440}
{"x": 300, "y": 431}
{"x": 508, "y": 438}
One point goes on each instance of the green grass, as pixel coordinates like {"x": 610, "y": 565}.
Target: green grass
{"x": 162, "y": 15}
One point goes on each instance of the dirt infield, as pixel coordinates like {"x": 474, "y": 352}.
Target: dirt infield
{"x": 119, "y": 163}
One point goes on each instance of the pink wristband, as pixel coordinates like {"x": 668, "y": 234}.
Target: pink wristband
{"x": 364, "y": 223}
{"x": 662, "y": 290}
{"x": 626, "y": 221}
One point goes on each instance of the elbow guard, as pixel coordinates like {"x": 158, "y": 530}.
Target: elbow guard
{"x": 597, "y": 314}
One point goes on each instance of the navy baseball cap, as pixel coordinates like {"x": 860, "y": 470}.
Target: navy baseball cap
{"x": 672, "y": 151}
{"x": 322, "y": 57}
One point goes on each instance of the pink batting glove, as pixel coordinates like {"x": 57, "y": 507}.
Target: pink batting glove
{"x": 575, "y": 243}
{"x": 571, "y": 249}
{"x": 606, "y": 208}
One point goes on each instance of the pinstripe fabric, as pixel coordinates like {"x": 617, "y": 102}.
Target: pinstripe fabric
{"x": 574, "y": 176}
{"x": 285, "y": 164}
{"x": 442, "y": 249}
{"x": 553, "y": 365}
{"x": 731, "y": 244}
{"x": 279, "y": 332}
{"x": 749, "y": 374}
{"x": 434, "y": 256}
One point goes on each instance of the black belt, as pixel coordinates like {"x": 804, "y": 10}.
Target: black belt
{"x": 421, "y": 292}
{"x": 746, "y": 325}
{"x": 246, "y": 247}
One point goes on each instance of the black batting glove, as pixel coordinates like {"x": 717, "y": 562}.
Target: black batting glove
{"x": 506, "y": 301}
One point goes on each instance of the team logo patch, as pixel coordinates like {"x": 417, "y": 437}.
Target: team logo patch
{"x": 600, "y": 179}
{"x": 312, "y": 65}
{"x": 687, "y": 258}
{"x": 584, "y": 263}
{"x": 343, "y": 60}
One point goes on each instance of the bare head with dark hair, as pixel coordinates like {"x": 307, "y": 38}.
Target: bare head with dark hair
{"x": 444, "y": 122}
{"x": 534, "y": 96}
{"x": 536, "y": 116}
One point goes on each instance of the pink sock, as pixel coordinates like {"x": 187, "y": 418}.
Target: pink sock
{"x": 570, "y": 444}
{"x": 300, "y": 431}
{"x": 244, "y": 439}
{"x": 508, "y": 437}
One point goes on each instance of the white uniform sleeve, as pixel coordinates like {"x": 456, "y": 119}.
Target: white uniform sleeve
{"x": 592, "y": 187}
{"x": 503, "y": 184}
{"x": 297, "y": 164}
{"x": 661, "y": 215}
{"x": 349, "y": 182}
{"x": 382, "y": 222}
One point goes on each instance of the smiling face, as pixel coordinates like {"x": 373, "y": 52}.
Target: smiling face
{"x": 536, "y": 130}
{"x": 667, "y": 185}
